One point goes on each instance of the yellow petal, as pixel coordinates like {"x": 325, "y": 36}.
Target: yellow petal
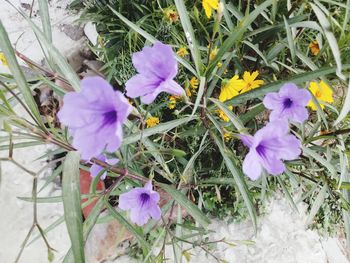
{"x": 236, "y": 83}
{"x": 207, "y": 8}
{"x": 327, "y": 93}
{"x": 213, "y": 4}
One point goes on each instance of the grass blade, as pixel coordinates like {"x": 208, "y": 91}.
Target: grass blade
{"x": 72, "y": 207}
{"x": 326, "y": 26}
{"x": 345, "y": 109}
{"x": 191, "y": 39}
{"x": 191, "y": 208}
{"x": 161, "y": 128}
{"x": 317, "y": 204}
{"x": 237, "y": 175}
{"x": 18, "y": 75}
{"x": 236, "y": 34}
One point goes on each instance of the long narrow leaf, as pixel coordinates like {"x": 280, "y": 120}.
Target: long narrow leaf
{"x": 72, "y": 207}
{"x": 182, "y": 200}
{"x": 18, "y": 75}
{"x": 236, "y": 34}
{"x": 237, "y": 175}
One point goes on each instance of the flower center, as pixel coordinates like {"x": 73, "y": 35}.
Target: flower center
{"x": 260, "y": 149}
{"x": 110, "y": 117}
{"x": 144, "y": 198}
{"x": 318, "y": 94}
{"x": 287, "y": 103}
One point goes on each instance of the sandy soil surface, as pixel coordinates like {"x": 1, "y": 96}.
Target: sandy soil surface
{"x": 282, "y": 235}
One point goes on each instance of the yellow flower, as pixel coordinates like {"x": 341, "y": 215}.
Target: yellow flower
{"x": 231, "y": 88}
{"x": 171, "y": 15}
{"x": 194, "y": 83}
{"x": 228, "y": 136}
{"x": 250, "y": 81}
{"x": 314, "y": 48}
{"x": 188, "y": 92}
{"x": 3, "y": 59}
{"x": 172, "y": 102}
{"x": 152, "y": 121}
{"x": 322, "y": 92}
{"x": 222, "y": 114}
{"x": 213, "y": 53}
{"x": 182, "y": 52}
{"x": 219, "y": 65}
{"x": 208, "y": 5}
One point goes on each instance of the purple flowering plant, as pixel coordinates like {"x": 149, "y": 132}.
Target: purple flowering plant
{"x": 189, "y": 133}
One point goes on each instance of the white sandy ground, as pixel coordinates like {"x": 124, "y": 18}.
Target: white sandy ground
{"x": 282, "y": 235}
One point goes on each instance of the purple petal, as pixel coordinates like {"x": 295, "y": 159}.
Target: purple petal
{"x": 271, "y": 164}
{"x": 170, "y": 86}
{"x": 272, "y": 101}
{"x": 139, "y": 216}
{"x": 156, "y": 61}
{"x": 130, "y": 200}
{"x": 148, "y": 186}
{"x": 286, "y": 148}
{"x": 139, "y": 85}
{"x": 300, "y": 114}
{"x": 247, "y": 140}
{"x": 271, "y": 130}
{"x": 96, "y": 88}
{"x": 95, "y": 169}
{"x": 149, "y": 98}
{"x": 155, "y": 197}
{"x": 155, "y": 211}
{"x": 251, "y": 165}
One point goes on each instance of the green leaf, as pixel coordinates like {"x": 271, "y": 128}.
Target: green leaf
{"x": 233, "y": 118}
{"x": 87, "y": 227}
{"x": 345, "y": 109}
{"x": 317, "y": 157}
{"x": 236, "y": 35}
{"x": 191, "y": 208}
{"x": 189, "y": 33}
{"x": 199, "y": 94}
{"x": 345, "y": 185}
{"x": 287, "y": 194}
{"x": 290, "y": 39}
{"x": 72, "y": 206}
{"x": 160, "y": 128}
{"x": 187, "y": 172}
{"x": 238, "y": 176}
{"x": 317, "y": 204}
{"x": 18, "y": 75}
{"x": 45, "y": 19}
{"x": 327, "y": 29}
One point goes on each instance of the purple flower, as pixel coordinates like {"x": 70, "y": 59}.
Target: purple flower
{"x": 95, "y": 169}
{"x": 157, "y": 67}
{"x": 269, "y": 146}
{"x": 142, "y": 203}
{"x": 95, "y": 117}
{"x": 289, "y": 103}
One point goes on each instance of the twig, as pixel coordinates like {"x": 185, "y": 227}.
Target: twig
{"x": 44, "y": 70}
